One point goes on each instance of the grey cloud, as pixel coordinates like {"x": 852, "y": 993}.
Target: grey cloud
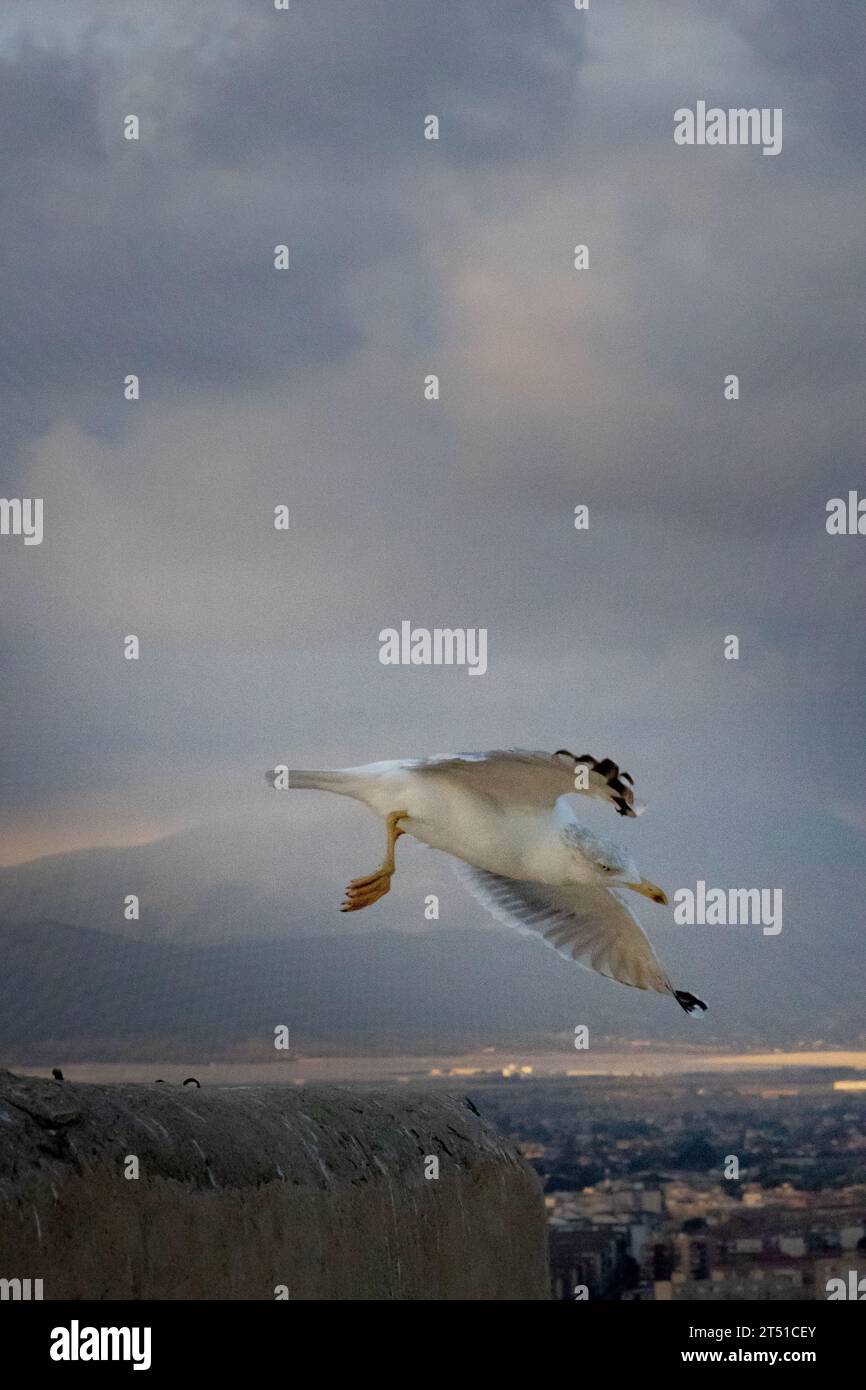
{"x": 819, "y": 49}
{"x": 356, "y": 85}
{"x": 156, "y": 257}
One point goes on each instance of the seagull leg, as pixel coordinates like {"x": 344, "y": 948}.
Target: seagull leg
{"x": 361, "y": 892}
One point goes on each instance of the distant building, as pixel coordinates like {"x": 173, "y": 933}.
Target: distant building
{"x": 596, "y": 1259}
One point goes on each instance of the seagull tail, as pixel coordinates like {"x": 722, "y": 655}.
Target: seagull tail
{"x": 344, "y": 783}
{"x": 690, "y": 1002}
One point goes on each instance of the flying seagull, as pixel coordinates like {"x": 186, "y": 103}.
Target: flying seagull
{"x": 507, "y": 816}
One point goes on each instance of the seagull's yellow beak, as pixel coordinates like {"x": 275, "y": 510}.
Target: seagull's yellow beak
{"x": 649, "y": 890}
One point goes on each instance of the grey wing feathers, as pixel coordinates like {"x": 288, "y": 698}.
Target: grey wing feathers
{"x": 590, "y": 925}
{"x": 519, "y": 776}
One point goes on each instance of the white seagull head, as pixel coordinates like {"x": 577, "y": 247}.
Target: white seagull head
{"x": 611, "y": 864}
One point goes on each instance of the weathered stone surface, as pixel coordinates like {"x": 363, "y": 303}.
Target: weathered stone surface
{"x": 245, "y": 1188}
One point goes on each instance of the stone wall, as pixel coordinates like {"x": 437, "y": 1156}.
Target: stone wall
{"x": 320, "y": 1193}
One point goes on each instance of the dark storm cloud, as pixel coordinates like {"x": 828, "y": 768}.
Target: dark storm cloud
{"x": 49, "y": 109}
{"x": 156, "y": 256}
{"x": 353, "y": 85}
{"x": 819, "y": 48}
{"x": 48, "y": 114}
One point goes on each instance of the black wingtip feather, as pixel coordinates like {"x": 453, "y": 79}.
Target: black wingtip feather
{"x": 690, "y": 1002}
{"x": 622, "y": 796}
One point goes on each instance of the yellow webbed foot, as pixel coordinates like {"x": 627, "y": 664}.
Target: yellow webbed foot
{"x": 362, "y": 892}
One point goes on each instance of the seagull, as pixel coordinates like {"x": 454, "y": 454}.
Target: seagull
{"x": 508, "y": 818}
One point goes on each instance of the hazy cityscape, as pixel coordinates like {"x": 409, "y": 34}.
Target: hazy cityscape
{"x": 638, "y": 1202}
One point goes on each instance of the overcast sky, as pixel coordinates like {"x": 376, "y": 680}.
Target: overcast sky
{"x": 601, "y": 387}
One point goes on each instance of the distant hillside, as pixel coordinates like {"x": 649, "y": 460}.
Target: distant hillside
{"x": 72, "y": 992}
{"x": 193, "y": 887}
{"x": 240, "y": 930}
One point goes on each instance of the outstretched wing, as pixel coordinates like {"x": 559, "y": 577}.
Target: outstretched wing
{"x": 590, "y": 925}
{"x": 517, "y": 777}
